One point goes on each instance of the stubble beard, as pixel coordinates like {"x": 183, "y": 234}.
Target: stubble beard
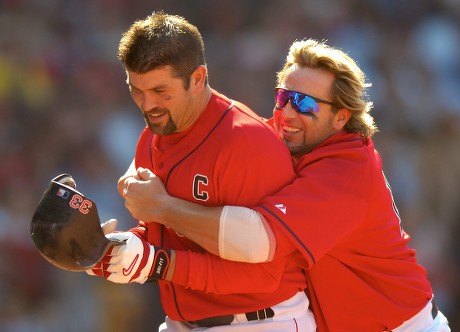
{"x": 297, "y": 149}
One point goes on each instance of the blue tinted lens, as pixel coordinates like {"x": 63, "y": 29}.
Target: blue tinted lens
{"x": 303, "y": 103}
{"x": 299, "y": 101}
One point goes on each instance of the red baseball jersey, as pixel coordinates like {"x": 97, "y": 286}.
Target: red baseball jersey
{"x": 340, "y": 214}
{"x": 230, "y": 156}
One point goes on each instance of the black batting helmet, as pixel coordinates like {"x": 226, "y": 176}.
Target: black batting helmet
{"x": 66, "y": 228}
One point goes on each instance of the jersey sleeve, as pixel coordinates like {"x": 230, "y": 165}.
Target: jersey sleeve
{"x": 311, "y": 210}
{"x": 211, "y": 274}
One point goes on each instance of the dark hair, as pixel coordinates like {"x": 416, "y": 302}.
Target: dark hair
{"x": 160, "y": 40}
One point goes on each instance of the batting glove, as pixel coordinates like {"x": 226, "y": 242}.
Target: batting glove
{"x": 133, "y": 261}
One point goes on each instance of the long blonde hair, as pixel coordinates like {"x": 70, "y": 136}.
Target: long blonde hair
{"x": 349, "y": 87}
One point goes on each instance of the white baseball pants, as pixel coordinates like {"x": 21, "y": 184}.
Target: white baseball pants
{"x": 424, "y": 322}
{"x": 291, "y": 315}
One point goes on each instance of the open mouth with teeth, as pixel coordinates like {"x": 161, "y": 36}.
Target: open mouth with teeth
{"x": 291, "y": 130}
{"x": 155, "y": 117}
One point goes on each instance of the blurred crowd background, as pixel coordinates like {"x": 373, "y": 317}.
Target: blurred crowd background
{"x": 64, "y": 108}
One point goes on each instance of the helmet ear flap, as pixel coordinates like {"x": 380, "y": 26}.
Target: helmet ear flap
{"x": 66, "y": 228}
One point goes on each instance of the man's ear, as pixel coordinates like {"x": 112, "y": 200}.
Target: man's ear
{"x": 198, "y": 79}
{"x": 341, "y": 118}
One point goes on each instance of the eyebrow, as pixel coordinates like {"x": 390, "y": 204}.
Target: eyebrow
{"x": 159, "y": 87}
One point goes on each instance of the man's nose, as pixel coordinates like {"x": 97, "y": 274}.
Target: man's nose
{"x": 289, "y": 112}
{"x": 148, "y": 102}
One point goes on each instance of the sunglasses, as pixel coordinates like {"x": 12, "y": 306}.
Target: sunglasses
{"x": 300, "y": 102}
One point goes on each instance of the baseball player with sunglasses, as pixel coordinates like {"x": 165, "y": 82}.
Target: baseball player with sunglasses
{"x": 339, "y": 212}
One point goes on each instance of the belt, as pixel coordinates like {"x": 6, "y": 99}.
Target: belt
{"x": 228, "y": 319}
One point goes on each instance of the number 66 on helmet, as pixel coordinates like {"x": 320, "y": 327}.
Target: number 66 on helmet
{"x": 66, "y": 227}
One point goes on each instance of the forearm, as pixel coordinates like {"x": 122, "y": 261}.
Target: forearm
{"x": 211, "y": 274}
{"x": 197, "y": 223}
{"x": 234, "y": 233}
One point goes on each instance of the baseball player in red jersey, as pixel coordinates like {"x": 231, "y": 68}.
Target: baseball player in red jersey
{"x": 339, "y": 212}
{"x": 208, "y": 149}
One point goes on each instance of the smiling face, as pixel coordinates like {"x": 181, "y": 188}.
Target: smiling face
{"x": 167, "y": 106}
{"x": 303, "y": 132}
